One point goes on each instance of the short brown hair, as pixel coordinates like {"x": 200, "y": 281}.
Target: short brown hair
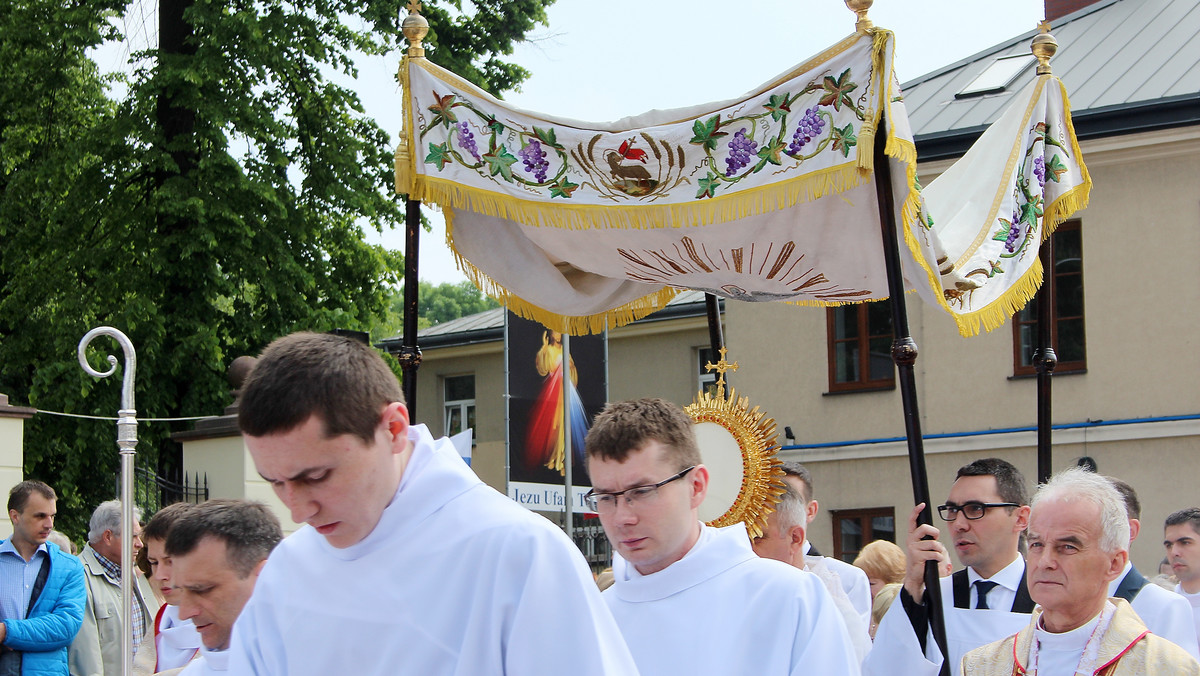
{"x": 342, "y": 381}
{"x": 19, "y": 495}
{"x": 801, "y": 472}
{"x": 249, "y": 530}
{"x": 624, "y": 427}
{"x": 160, "y": 524}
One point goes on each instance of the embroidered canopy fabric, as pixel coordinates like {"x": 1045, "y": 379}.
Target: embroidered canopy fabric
{"x": 767, "y": 197}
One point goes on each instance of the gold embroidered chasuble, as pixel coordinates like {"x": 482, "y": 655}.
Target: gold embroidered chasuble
{"x": 1126, "y": 649}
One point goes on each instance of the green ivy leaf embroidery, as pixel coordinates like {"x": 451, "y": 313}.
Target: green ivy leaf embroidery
{"x": 1055, "y": 168}
{"x": 844, "y": 139}
{"x": 1002, "y": 234}
{"x": 563, "y": 189}
{"x": 772, "y": 150}
{"x": 442, "y": 110}
{"x": 439, "y": 155}
{"x": 1030, "y": 211}
{"x": 838, "y": 91}
{"x": 778, "y": 105}
{"x": 494, "y": 126}
{"x": 708, "y": 186}
{"x": 547, "y": 137}
{"x": 707, "y": 133}
{"x": 996, "y": 269}
{"x": 500, "y": 162}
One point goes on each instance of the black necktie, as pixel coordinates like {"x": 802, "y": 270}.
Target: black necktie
{"x": 982, "y": 587}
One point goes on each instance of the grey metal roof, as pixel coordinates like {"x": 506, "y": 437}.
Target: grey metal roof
{"x": 1128, "y": 65}
{"x": 488, "y": 325}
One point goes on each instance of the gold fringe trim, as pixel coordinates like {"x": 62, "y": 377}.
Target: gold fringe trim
{"x": 721, "y": 209}
{"x": 999, "y": 311}
{"x": 1077, "y": 198}
{"x": 406, "y": 149}
{"x": 881, "y": 69}
{"x": 571, "y": 325}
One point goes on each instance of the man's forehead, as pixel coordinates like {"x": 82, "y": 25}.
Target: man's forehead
{"x": 1053, "y": 518}
{"x": 1182, "y": 530}
{"x": 981, "y": 488}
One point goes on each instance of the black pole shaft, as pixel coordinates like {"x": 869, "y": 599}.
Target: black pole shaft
{"x": 716, "y": 337}
{"x": 1045, "y": 359}
{"x": 904, "y": 354}
{"x": 410, "y": 353}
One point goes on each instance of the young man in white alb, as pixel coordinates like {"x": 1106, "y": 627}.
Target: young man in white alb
{"x": 409, "y": 564}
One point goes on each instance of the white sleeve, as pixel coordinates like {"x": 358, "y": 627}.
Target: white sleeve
{"x": 858, "y": 588}
{"x": 897, "y": 652}
{"x": 255, "y": 647}
{"x": 558, "y": 623}
{"x": 1167, "y": 615}
{"x": 822, "y": 645}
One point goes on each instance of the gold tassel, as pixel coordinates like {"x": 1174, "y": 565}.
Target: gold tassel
{"x": 866, "y": 144}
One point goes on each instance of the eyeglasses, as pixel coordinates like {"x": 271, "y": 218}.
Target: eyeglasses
{"x": 606, "y": 503}
{"x": 971, "y": 510}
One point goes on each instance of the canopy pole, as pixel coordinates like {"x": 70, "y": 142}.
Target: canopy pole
{"x": 410, "y": 353}
{"x": 127, "y": 444}
{"x": 568, "y": 520}
{"x": 716, "y": 337}
{"x": 1045, "y": 359}
{"x": 904, "y": 354}
{"x": 1043, "y": 47}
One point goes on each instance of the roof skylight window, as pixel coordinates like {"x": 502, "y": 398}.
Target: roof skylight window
{"x": 997, "y": 76}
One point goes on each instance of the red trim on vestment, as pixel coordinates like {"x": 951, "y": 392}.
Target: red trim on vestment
{"x": 1122, "y": 653}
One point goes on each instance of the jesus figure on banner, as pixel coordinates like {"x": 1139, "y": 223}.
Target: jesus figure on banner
{"x": 545, "y": 442}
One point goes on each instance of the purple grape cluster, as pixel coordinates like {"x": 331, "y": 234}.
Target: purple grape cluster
{"x": 810, "y": 127}
{"x": 466, "y": 139}
{"x": 741, "y": 149}
{"x": 1039, "y": 170}
{"x": 1014, "y": 233}
{"x": 534, "y": 159}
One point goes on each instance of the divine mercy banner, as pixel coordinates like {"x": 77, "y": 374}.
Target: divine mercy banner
{"x": 767, "y": 197}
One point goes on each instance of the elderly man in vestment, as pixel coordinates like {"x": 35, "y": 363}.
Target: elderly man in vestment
{"x": 1165, "y": 613}
{"x": 408, "y": 564}
{"x": 689, "y": 598}
{"x": 986, "y": 512}
{"x": 1078, "y": 543}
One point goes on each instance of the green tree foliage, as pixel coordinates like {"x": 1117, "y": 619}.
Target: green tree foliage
{"x": 215, "y": 207}
{"x": 435, "y": 304}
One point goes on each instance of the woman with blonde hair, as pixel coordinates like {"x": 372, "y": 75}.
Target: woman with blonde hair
{"x": 883, "y": 562}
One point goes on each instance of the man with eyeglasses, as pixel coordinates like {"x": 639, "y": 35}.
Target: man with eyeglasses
{"x": 688, "y": 598}
{"x": 986, "y": 512}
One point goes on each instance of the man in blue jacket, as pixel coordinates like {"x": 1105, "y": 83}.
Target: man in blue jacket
{"x": 42, "y": 591}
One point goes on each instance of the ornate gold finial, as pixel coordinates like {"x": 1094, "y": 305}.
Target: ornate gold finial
{"x": 860, "y": 7}
{"x": 415, "y": 28}
{"x": 1043, "y": 47}
{"x": 721, "y": 367}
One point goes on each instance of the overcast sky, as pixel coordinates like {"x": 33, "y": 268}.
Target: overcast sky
{"x": 640, "y": 55}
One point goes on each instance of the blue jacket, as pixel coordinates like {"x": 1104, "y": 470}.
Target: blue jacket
{"x": 56, "y": 616}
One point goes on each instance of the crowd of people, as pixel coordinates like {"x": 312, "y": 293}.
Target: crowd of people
{"x": 410, "y": 564}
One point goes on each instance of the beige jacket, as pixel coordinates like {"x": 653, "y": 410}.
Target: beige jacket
{"x": 1127, "y": 649}
{"x": 96, "y": 650}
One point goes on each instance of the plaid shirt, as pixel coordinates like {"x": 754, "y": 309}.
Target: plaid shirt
{"x": 113, "y": 572}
